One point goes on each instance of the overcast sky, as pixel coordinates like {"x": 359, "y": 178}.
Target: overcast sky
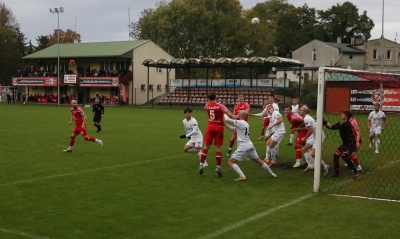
{"x": 101, "y": 21}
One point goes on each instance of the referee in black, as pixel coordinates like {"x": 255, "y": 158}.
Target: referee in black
{"x": 98, "y": 111}
{"x": 348, "y": 142}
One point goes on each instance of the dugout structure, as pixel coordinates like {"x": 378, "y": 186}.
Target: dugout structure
{"x": 340, "y": 89}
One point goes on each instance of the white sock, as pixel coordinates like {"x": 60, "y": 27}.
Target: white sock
{"x": 323, "y": 164}
{"x": 199, "y": 154}
{"x": 230, "y": 149}
{"x": 268, "y": 153}
{"x": 309, "y": 160}
{"x": 70, "y": 147}
{"x": 191, "y": 151}
{"x": 237, "y": 169}
{"x": 266, "y": 167}
{"x": 291, "y": 138}
{"x": 98, "y": 140}
{"x": 273, "y": 155}
{"x": 277, "y": 148}
{"x": 377, "y": 143}
{"x": 298, "y": 160}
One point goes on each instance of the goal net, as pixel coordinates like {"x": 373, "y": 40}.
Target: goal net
{"x": 340, "y": 89}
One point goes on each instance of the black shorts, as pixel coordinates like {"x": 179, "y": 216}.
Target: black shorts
{"x": 97, "y": 118}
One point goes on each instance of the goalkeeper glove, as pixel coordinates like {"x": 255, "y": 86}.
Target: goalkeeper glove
{"x": 183, "y": 136}
{"x": 324, "y": 122}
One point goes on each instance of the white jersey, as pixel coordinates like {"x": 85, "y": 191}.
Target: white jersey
{"x": 295, "y": 109}
{"x": 276, "y": 107}
{"x": 309, "y": 121}
{"x": 377, "y": 118}
{"x": 280, "y": 128}
{"x": 192, "y": 128}
{"x": 242, "y": 130}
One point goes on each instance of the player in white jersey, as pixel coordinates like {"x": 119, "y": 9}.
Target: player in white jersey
{"x": 295, "y": 110}
{"x": 376, "y": 123}
{"x": 309, "y": 148}
{"x": 193, "y": 133}
{"x": 277, "y": 126}
{"x": 245, "y": 149}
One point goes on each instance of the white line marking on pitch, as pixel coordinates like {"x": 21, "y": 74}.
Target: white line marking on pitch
{"x": 21, "y": 234}
{"x": 255, "y": 217}
{"x": 83, "y": 171}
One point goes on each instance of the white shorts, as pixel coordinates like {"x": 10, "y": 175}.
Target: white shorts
{"x": 277, "y": 137}
{"x": 322, "y": 143}
{"x": 245, "y": 152}
{"x": 195, "y": 142}
{"x": 375, "y": 131}
{"x": 310, "y": 140}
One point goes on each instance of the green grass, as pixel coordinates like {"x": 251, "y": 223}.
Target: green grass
{"x": 142, "y": 184}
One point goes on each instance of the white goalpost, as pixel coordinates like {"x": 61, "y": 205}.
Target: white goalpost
{"x": 359, "y": 91}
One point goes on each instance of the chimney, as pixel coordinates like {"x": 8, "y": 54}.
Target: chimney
{"x": 339, "y": 40}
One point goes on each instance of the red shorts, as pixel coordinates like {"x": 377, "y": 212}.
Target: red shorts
{"x": 79, "y": 130}
{"x": 300, "y": 135}
{"x": 214, "y": 133}
{"x": 266, "y": 122}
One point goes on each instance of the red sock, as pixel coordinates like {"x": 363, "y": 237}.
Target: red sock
{"x": 231, "y": 142}
{"x": 354, "y": 158}
{"x": 71, "y": 142}
{"x": 88, "y": 138}
{"x": 298, "y": 151}
{"x": 218, "y": 157}
{"x": 203, "y": 155}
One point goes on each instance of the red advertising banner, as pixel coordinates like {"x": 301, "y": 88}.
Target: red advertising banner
{"x": 122, "y": 92}
{"x": 364, "y": 99}
{"x": 98, "y": 81}
{"x": 34, "y": 81}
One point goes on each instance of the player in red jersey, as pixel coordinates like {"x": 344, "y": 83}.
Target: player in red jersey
{"x": 79, "y": 117}
{"x": 214, "y": 130}
{"x": 297, "y": 124}
{"x": 357, "y": 135}
{"x": 238, "y": 107}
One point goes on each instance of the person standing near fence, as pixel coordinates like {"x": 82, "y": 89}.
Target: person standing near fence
{"x": 8, "y": 98}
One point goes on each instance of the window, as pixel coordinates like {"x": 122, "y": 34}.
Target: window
{"x": 142, "y": 87}
{"x": 159, "y": 70}
{"x": 389, "y": 55}
{"x": 106, "y": 66}
{"x": 350, "y": 57}
{"x": 150, "y": 87}
{"x": 314, "y": 55}
{"x": 375, "y": 54}
{"x": 158, "y": 88}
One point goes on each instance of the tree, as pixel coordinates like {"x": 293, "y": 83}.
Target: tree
{"x": 345, "y": 22}
{"x": 42, "y": 42}
{"x": 65, "y": 37}
{"x": 192, "y": 28}
{"x": 12, "y": 45}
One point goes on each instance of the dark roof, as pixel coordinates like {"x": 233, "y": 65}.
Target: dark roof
{"x": 345, "y": 47}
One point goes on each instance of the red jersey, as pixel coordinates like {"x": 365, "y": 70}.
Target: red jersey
{"x": 294, "y": 120}
{"x": 354, "y": 124}
{"x": 77, "y": 115}
{"x": 215, "y": 113}
{"x": 241, "y": 106}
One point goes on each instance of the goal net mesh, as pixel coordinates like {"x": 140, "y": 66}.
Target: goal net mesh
{"x": 359, "y": 91}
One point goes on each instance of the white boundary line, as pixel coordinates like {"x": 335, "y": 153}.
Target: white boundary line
{"x": 83, "y": 171}
{"x": 255, "y": 217}
{"x": 14, "y": 232}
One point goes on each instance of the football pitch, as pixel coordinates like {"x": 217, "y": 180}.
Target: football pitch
{"x": 142, "y": 184}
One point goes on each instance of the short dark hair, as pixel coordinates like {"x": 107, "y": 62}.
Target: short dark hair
{"x": 288, "y": 106}
{"x": 348, "y": 113}
{"x": 187, "y": 109}
{"x": 212, "y": 95}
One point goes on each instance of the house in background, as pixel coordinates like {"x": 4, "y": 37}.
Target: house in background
{"x": 97, "y": 67}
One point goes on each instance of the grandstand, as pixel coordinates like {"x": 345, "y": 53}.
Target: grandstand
{"x": 227, "y": 96}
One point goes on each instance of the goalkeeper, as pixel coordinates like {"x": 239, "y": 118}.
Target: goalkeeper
{"x": 193, "y": 133}
{"x": 348, "y": 142}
